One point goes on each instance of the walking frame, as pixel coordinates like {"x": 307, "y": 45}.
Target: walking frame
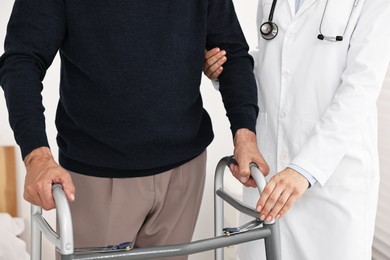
{"x": 223, "y": 236}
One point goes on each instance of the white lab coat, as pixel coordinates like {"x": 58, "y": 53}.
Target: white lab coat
{"x": 317, "y": 104}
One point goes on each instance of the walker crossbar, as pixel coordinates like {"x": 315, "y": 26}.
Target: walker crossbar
{"x": 65, "y": 247}
{"x": 237, "y": 204}
{"x": 182, "y": 249}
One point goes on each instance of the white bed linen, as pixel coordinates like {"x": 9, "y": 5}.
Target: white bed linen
{"x": 11, "y": 246}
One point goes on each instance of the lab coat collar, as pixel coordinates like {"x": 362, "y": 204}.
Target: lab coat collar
{"x": 305, "y": 5}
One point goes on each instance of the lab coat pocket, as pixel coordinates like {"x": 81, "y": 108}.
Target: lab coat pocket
{"x": 307, "y": 127}
{"x": 262, "y": 130}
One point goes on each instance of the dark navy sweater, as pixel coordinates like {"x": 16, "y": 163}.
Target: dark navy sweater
{"x": 130, "y": 102}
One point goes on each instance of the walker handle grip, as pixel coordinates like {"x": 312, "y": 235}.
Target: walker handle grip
{"x": 255, "y": 173}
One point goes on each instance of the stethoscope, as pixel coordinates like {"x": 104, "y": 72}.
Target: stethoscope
{"x": 269, "y": 29}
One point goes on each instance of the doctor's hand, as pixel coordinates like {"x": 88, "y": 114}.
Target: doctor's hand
{"x": 246, "y": 152}
{"x": 42, "y": 173}
{"x": 280, "y": 193}
{"x": 213, "y": 61}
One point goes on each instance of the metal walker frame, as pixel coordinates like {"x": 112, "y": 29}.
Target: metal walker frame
{"x": 223, "y": 237}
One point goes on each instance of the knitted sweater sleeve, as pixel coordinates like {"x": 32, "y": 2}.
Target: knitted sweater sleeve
{"x": 237, "y": 82}
{"x": 34, "y": 34}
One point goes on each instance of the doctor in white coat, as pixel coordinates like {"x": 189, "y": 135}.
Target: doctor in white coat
{"x": 318, "y": 82}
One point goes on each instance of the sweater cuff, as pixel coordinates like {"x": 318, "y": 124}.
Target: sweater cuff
{"x": 32, "y": 142}
{"x": 245, "y": 120}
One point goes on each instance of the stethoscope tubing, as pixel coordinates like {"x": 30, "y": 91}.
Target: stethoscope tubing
{"x": 269, "y": 29}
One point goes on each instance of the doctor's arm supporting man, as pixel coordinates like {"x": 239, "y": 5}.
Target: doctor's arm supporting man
{"x": 318, "y": 82}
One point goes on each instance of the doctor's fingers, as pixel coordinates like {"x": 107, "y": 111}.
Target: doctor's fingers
{"x": 287, "y": 205}
{"x": 281, "y": 193}
{"x": 215, "y": 60}
{"x": 283, "y": 204}
{"x": 214, "y": 54}
{"x": 269, "y": 199}
{"x": 214, "y": 71}
{"x": 210, "y": 53}
{"x": 214, "y": 75}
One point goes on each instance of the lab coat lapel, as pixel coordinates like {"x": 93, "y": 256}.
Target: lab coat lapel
{"x": 292, "y": 7}
{"x": 305, "y": 5}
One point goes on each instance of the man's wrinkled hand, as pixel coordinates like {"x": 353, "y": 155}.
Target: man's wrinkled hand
{"x": 42, "y": 173}
{"x": 246, "y": 152}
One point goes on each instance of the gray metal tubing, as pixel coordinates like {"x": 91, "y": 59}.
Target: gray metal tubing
{"x": 218, "y": 202}
{"x": 273, "y": 240}
{"x": 65, "y": 242}
{"x": 272, "y": 243}
{"x": 237, "y": 204}
{"x": 36, "y": 235}
{"x": 260, "y": 181}
{"x": 45, "y": 228}
{"x": 182, "y": 249}
{"x": 39, "y": 226}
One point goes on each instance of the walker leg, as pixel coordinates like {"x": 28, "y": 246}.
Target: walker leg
{"x": 272, "y": 243}
{"x": 36, "y": 235}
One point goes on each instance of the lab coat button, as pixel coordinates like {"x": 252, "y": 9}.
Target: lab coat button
{"x": 290, "y": 35}
{"x": 283, "y": 114}
{"x": 283, "y": 157}
{"x": 285, "y": 73}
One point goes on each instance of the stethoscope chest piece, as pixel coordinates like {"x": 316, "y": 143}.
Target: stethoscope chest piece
{"x": 269, "y": 30}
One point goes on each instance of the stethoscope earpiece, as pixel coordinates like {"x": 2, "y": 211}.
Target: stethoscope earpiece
{"x": 337, "y": 38}
{"x": 269, "y": 30}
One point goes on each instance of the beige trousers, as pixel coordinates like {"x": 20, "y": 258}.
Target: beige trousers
{"x": 155, "y": 210}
